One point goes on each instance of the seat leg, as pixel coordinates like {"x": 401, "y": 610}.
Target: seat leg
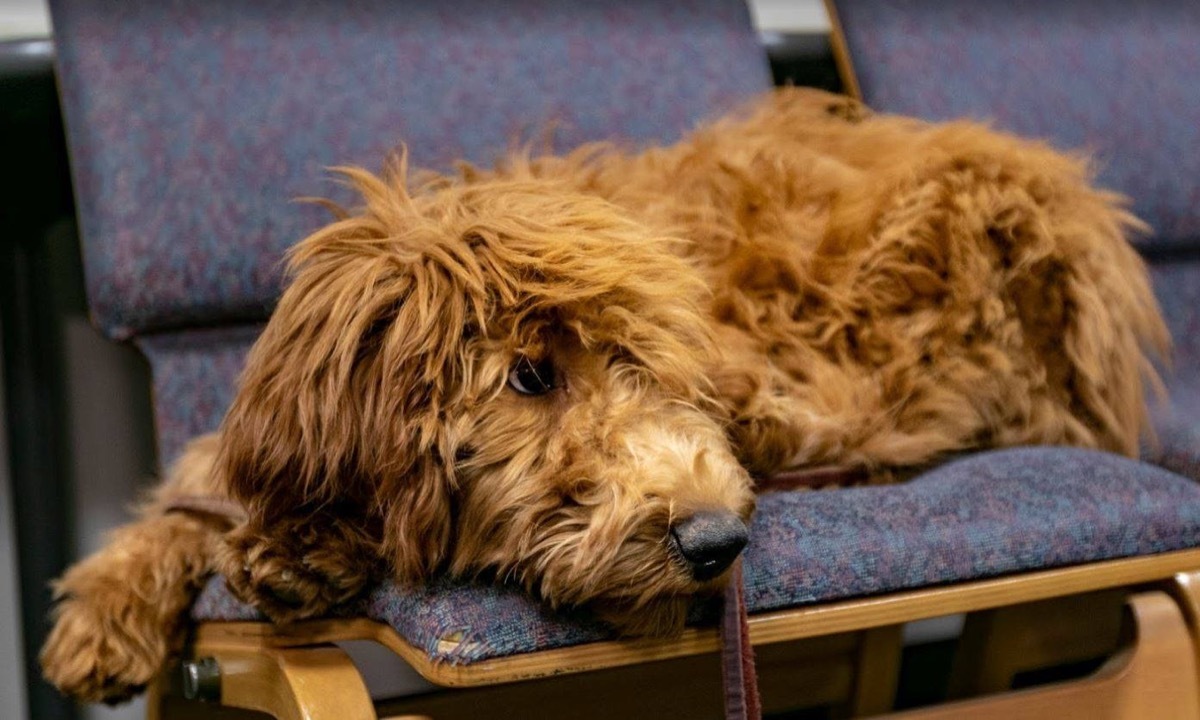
{"x": 1185, "y": 588}
{"x": 877, "y": 670}
{"x": 998, "y": 644}
{"x": 1153, "y": 678}
{"x": 317, "y": 682}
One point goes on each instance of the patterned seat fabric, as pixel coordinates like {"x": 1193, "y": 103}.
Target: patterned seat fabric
{"x": 193, "y": 126}
{"x": 194, "y": 373}
{"x": 1177, "y": 416}
{"x": 986, "y": 515}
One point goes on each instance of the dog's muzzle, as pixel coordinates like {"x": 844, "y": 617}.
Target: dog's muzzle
{"x": 709, "y": 542}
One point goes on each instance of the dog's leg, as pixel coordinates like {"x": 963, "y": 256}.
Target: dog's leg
{"x": 776, "y": 422}
{"x": 762, "y": 429}
{"x": 121, "y": 612}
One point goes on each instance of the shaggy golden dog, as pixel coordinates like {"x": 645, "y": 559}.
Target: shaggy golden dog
{"x": 567, "y": 372}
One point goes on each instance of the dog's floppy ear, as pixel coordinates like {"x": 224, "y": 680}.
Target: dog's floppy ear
{"x": 338, "y": 407}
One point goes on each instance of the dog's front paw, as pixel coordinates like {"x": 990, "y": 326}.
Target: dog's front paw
{"x": 296, "y": 573}
{"x": 104, "y": 649}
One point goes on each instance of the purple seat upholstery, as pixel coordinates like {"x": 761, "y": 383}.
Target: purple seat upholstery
{"x": 1177, "y": 418}
{"x": 982, "y": 516}
{"x": 193, "y": 126}
{"x": 194, "y": 374}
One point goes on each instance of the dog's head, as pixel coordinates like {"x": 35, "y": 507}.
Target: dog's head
{"x": 503, "y": 377}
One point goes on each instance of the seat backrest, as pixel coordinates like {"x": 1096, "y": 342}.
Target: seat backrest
{"x": 1116, "y": 78}
{"x": 193, "y": 127}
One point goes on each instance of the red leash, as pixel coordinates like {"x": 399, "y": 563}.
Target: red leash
{"x": 814, "y": 478}
{"x": 737, "y": 654}
{"x": 230, "y": 510}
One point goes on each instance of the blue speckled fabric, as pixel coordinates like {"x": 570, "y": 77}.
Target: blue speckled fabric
{"x": 1114, "y": 77}
{"x": 1177, "y": 285}
{"x": 1176, "y": 446}
{"x": 1177, "y": 419}
{"x": 194, "y": 377}
{"x": 193, "y": 126}
{"x": 987, "y": 515}
{"x": 1178, "y": 427}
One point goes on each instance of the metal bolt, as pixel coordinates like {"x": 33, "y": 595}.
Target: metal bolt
{"x": 202, "y": 679}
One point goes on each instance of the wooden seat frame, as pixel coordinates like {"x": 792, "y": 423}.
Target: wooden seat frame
{"x": 298, "y": 672}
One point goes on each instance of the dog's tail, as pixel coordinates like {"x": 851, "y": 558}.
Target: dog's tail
{"x": 122, "y": 611}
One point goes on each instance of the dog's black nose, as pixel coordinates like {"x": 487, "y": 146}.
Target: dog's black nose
{"x": 709, "y": 542}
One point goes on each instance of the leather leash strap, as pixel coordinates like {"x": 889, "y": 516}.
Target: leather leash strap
{"x": 737, "y": 654}
{"x": 814, "y": 478}
{"x": 230, "y": 510}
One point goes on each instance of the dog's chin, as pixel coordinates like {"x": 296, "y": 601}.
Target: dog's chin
{"x": 662, "y": 617}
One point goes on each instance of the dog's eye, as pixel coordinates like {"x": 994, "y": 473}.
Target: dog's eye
{"x": 530, "y": 377}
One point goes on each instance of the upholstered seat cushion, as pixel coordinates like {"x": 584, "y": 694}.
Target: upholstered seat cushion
{"x": 1177, "y": 416}
{"x": 1176, "y": 446}
{"x": 990, "y": 514}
